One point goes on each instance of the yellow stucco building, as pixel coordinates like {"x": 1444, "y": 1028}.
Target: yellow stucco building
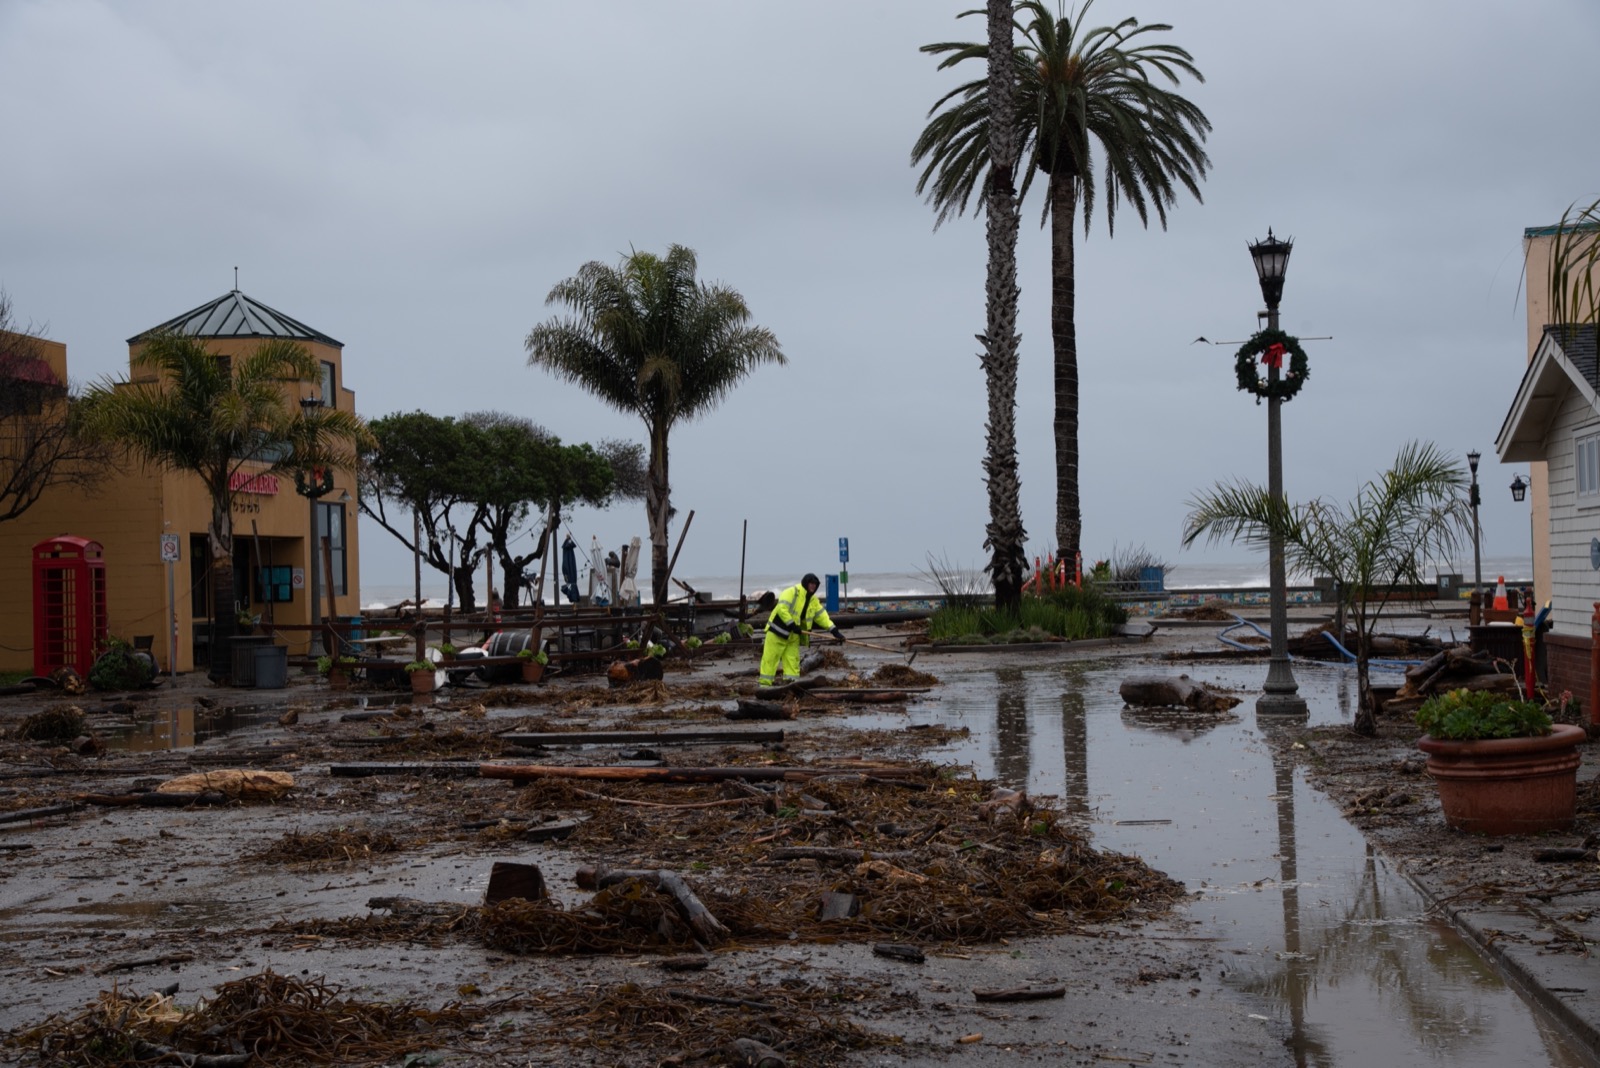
{"x": 141, "y": 515}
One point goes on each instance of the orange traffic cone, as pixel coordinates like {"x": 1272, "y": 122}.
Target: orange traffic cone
{"x": 1501, "y": 603}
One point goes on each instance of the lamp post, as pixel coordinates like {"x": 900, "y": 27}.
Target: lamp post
{"x": 1281, "y": 694}
{"x": 1474, "y": 500}
{"x": 1519, "y": 489}
{"x": 311, "y": 485}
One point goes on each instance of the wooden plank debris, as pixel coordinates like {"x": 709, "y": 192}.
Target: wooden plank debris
{"x": 443, "y": 769}
{"x": 757, "y": 773}
{"x": 731, "y": 736}
{"x": 1021, "y": 993}
{"x": 24, "y": 815}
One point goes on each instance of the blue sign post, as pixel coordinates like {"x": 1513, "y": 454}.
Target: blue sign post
{"x": 844, "y": 573}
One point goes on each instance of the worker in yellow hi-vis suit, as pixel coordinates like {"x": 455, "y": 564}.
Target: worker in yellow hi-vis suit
{"x": 796, "y": 615}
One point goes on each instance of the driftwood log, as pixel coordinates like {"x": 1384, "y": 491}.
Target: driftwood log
{"x": 1449, "y": 669}
{"x": 706, "y": 926}
{"x": 747, "y": 709}
{"x": 1151, "y": 691}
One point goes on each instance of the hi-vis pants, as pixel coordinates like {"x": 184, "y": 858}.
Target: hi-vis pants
{"x": 776, "y": 651}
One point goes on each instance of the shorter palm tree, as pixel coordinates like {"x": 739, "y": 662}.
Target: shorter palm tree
{"x": 647, "y": 338}
{"x": 209, "y": 416}
{"x": 1413, "y": 514}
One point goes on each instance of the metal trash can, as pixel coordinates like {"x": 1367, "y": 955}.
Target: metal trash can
{"x": 244, "y": 648}
{"x": 271, "y": 666}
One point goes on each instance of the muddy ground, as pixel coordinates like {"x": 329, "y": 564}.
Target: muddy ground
{"x": 345, "y": 921}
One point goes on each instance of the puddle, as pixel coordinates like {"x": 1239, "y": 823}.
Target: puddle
{"x": 1307, "y": 917}
{"x": 184, "y": 728}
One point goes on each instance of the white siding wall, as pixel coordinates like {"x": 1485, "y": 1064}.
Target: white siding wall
{"x": 1576, "y": 585}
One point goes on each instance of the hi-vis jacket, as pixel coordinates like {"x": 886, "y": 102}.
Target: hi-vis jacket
{"x": 797, "y": 614}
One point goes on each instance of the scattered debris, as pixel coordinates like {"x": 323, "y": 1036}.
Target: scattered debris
{"x": 58, "y": 723}
{"x": 277, "y": 1018}
{"x": 337, "y": 846}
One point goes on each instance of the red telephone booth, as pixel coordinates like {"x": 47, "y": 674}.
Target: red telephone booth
{"x": 69, "y": 604}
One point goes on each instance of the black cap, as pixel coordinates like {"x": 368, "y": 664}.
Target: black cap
{"x": 810, "y": 580}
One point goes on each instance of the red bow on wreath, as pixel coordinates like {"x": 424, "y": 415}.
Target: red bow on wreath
{"x": 1273, "y": 357}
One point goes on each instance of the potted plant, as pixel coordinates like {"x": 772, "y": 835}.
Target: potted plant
{"x": 533, "y": 664}
{"x": 422, "y": 675}
{"x": 337, "y": 670}
{"x": 1501, "y": 764}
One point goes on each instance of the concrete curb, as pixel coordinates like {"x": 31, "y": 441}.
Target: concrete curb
{"x": 1559, "y": 983}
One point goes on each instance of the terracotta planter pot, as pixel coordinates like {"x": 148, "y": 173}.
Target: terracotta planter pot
{"x": 421, "y": 681}
{"x": 1507, "y": 785}
{"x": 532, "y": 671}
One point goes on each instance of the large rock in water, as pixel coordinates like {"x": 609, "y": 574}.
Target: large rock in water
{"x": 1154, "y": 691}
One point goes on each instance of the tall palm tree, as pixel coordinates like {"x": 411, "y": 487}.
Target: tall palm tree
{"x": 1081, "y": 91}
{"x": 1411, "y": 515}
{"x": 209, "y": 416}
{"x": 647, "y": 338}
{"x": 1004, "y": 537}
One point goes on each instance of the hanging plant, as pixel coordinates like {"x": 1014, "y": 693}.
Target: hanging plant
{"x": 1270, "y": 347}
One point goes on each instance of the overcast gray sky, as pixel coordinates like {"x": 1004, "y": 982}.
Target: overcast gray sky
{"x": 412, "y": 178}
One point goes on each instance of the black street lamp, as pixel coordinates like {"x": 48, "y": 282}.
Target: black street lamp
{"x": 1519, "y": 489}
{"x": 1474, "y": 500}
{"x": 1281, "y": 694}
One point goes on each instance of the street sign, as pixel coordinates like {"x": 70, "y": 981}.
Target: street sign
{"x": 844, "y": 550}
{"x": 297, "y": 578}
{"x": 170, "y": 553}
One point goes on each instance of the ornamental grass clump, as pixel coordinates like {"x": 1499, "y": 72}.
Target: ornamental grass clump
{"x": 1475, "y": 715}
{"x": 1070, "y": 613}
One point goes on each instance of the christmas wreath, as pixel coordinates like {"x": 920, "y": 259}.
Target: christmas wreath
{"x": 1270, "y": 347}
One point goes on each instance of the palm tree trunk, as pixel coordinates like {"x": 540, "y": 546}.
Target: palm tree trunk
{"x": 1004, "y": 536}
{"x": 1366, "y": 717}
{"x": 657, "y": 503}
{"x": 1064, "y": 338}
{"x": 219, "y": 541}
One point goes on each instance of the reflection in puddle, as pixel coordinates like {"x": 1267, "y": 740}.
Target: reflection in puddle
{"x": 1306, "y": 915}
{"x": 184, "y": 728}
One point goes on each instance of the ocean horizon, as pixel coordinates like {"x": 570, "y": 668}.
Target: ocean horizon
{"x": 919, "y": 583}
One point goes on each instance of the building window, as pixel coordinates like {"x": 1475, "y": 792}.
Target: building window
{"x": 329, "y": 400}
{"x": 330, "y": 526}
{"x": 1586, "y": 466}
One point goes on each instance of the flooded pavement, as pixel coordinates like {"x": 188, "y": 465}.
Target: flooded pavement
{"x": 1340, "y": 949}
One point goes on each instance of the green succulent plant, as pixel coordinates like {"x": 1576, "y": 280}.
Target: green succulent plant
{"x": 1474, "y": 715}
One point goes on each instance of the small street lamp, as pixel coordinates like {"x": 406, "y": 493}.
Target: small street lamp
{"x": 1519, "y": 493}
{"x": 1281, "y": 694}
{"x": 1474, "y": 499}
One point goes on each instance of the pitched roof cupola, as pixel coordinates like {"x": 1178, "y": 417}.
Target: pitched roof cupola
{"x": 235, "y": 315}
